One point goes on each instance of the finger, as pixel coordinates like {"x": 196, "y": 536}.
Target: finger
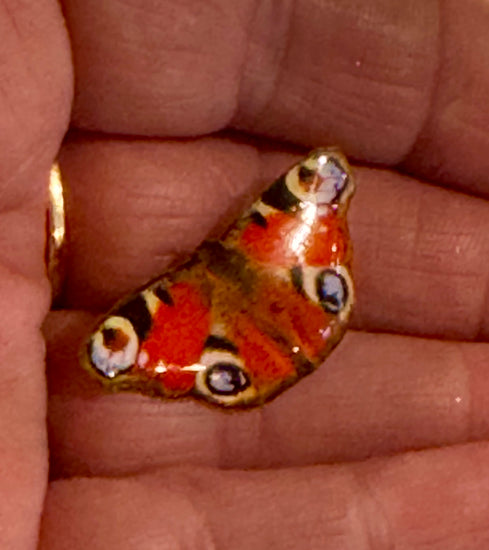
{"x": 434, "y": 499}
{"x": 382, "y": 79}
{"x": 35, "y": 87}
{"x": 289, "y": 71}
{"x": 420, "y": 253}
{"x": 450, "y": 146}
{"x": 376, "y": 394}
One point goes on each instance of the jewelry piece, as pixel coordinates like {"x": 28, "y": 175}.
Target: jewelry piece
{"x": 247, "y": 315}
{"x": 56, "y": 232}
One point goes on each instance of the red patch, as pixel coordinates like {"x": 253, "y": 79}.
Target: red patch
{"x": 311, "y": 327}
{"x": 177, "y": 381}
{"x": 271, "y": 244}
{"x": 177, "y": 337}
{"x": 323, "y": 244}
{"x": 328, "y": 242}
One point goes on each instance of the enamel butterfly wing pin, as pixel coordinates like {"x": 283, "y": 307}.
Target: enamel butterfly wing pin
{"x": 247, "y": 315}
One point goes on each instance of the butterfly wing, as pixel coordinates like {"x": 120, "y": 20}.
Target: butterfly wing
{"x": 249, "y": 314}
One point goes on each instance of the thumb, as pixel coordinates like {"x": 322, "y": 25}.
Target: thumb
{"x": 35, "y": 93}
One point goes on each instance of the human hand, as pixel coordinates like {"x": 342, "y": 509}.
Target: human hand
{"x": 329, "y": 464}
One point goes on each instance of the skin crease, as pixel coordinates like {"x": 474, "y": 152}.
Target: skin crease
{"x": 407, "y": 93}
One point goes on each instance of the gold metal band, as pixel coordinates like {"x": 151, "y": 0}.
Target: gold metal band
{"x": 57, "y": 232}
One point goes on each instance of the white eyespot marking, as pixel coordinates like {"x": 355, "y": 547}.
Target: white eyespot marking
{"x": 329, "y": 287}
{"x": 114, "y": 347}
{"x": 226, "y": 379}
{"x": 223, "y": 378}
{"x": 323, "y": 178}
{"x": 331, "y": 290}
{"x": 332, "y": 180}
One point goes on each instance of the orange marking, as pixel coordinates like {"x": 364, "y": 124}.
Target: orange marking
{"x": 263, "y": 358}
{"x": 300, "y": 321}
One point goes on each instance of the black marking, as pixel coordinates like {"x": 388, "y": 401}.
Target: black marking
{"x": 258, "y": 219}
{"x": 306, "y": 174}
{"x": 334, "y": 298}
{"x": 226, "y": 379}
{"x": 109, "y": 335}
{"x": 302, "y": 365}
{"x": 162, "y": 293}
{"x": 136, "y": 311}
{"x": 220, "y": 343}
{"x": 114, "y": 339}
{"x": 297, "y": 278}
{"x": 280, "y": 197}
{"x": 228, "y": 264}
{"x": 187, "y": 263}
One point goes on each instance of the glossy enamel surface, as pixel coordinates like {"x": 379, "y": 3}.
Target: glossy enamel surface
{"x": 247, "y": 315}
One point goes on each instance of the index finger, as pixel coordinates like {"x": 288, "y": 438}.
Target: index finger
{"x": 432, "y": 500}
{"x": 387, "y": 81}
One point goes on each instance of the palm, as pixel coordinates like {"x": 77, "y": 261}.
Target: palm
{"x": 410, "y": 377}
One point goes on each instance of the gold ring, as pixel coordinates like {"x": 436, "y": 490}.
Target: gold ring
{"x": 56, "y": 233}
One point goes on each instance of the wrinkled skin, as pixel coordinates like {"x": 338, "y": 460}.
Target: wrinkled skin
{"x": 386, "y": 445}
